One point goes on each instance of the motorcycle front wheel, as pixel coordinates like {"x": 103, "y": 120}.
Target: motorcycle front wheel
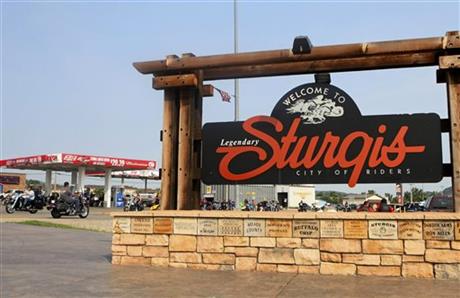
{"x": 55, "y": 213}
{"x": 84, "y": 212}
{"x": 33, "y": 211}
{"x": 9, "y": 208}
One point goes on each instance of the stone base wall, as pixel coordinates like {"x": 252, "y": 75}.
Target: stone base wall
{"x": 420, "y": 245}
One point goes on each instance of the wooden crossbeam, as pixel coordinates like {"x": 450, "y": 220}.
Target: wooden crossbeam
{"x": 449, "y": 62}
{"x": 330, "y": 52}
{"x": 310, "y": 67}
{"x": 208, "y": 90}
{"x": 172, "y": 81}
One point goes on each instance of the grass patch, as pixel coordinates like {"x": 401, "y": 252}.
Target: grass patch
{"x": 47, "y": 224}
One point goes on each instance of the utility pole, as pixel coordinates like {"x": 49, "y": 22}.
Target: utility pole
{"x": 236, "y": 83}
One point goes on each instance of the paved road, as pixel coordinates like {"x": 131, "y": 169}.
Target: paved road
{"x": 98, "y": 219}
{"x": 49, "y": 262}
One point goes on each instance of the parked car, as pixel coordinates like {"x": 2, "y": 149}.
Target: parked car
{"x": 440, "y": 203}
{"x": 413, "y": 207}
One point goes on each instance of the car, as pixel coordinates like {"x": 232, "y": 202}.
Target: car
{"x": 440, "y": 203}
{"x": 413, "y": 207}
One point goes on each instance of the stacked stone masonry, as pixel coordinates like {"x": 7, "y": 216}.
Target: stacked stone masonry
{"x": 418, "y": 245}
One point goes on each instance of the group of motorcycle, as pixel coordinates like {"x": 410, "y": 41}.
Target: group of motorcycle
{"x": 213, "y": 205}
{"x": 31, "y": 202}
{"x": 271, "y": 205}
{"x": 304, "y": 207}
{"x": 137, "y": 204}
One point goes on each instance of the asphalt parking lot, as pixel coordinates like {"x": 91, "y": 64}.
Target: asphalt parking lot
{"x": 50, "y": 262}
{"x": 98, "y": 219}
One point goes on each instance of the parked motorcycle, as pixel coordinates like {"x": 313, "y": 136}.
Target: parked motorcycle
{"x": 227, "y": 205}
{"x": 19, "y": 201}
{"x": 304, "y": 207}
{"x": 134, "y": 204}
{"x": 344, "y": 208}
{"x": 155, "y": 205}
{"x": 59, "y": 207}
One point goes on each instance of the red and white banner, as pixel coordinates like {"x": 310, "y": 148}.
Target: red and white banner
{"x": 108, "y": 162}
{"x": 80, "y": 160}
{"x": 31, "y": 160}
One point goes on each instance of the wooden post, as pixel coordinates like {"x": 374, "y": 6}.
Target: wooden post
{"x": 196, "y": 158}
{"x": 169, "y": 154}
{"x": 184, "y": 174}
{"x": 453, "y": 87}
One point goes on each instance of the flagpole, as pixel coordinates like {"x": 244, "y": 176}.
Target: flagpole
{"x": 236, "y": 84}
{"x": 235, "y": 44}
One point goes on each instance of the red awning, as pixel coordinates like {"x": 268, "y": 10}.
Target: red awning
{"x": 71, "y": 162}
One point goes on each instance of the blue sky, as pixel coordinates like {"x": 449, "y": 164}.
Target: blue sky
{"x": 69, "y": 85}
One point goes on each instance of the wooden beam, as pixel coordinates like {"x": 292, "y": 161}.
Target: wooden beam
{"x": 208, "y": 90}
{"x": 330, "y": 52}
{"x": 173, "y": 81}
{"x": 196, "y": 145}
{"x": 449, "y": 62}
{"x": 453, "y": 89}
{"x": 169, "y": 153}
{"x": 310, "y": 67}
{"x": 184, "y": 177}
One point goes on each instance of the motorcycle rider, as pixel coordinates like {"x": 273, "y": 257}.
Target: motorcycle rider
{"x": 27, "y": 196}
{"x": 67, "y": 197}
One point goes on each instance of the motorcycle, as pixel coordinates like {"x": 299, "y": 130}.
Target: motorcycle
{"x": 59, "y": 207}
{"x": 19, "y": 201}
{"x": 134, "y": 205}
{"x": 156, "y": 205}
{"x": 5, "y": 196}
{"x": 304, "y": 207}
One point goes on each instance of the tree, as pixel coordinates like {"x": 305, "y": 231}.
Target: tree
{"x": 99, "y": 192}
{"x": 389, "y": 196}
{"x": 34, "y": 182}
{"x": 418, "y": 194}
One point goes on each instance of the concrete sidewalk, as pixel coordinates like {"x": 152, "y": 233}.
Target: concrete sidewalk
{"x": 48, "y": 262}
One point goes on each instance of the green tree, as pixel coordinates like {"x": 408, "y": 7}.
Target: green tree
{"x": 34, "y": 182}
{"x": 389, "y": 196}
{"x": 418, "y": 194}
{"x": 99, "y": 192}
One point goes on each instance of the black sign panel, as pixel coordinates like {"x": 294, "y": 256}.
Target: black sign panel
{"x": 316, "y": 134}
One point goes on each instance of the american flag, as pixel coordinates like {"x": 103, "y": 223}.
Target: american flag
{"x": 225, "y": 96}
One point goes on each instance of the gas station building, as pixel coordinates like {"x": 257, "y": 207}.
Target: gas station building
{"x": 81, "y": 165}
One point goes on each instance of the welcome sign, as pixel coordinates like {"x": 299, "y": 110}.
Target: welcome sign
{"x": 316, "y": 134}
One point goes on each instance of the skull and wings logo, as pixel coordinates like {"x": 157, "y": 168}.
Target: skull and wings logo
{"x": 315, "y": 110}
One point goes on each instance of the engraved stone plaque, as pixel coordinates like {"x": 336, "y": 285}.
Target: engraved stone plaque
{"x": 305, "y": 228}
{"x": 438, "y": 230}
{"x": 383, "y": 229}
{"x": 457, "y": 230}
{"x": 331, "y": 229}
{"x": 163, "y": 225}
{"x": 408, "y": 229}
{"x": 207, "y": 226}
{"x": 230, "y": 227}
{"x": 254, "y": 227}
{"x": 185, "y": 226}
{"x": 142, "y": 225}
{"x": 279, "y": 227}
{"x": 355, "y": 229}
{"x": 122, "y": 225}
